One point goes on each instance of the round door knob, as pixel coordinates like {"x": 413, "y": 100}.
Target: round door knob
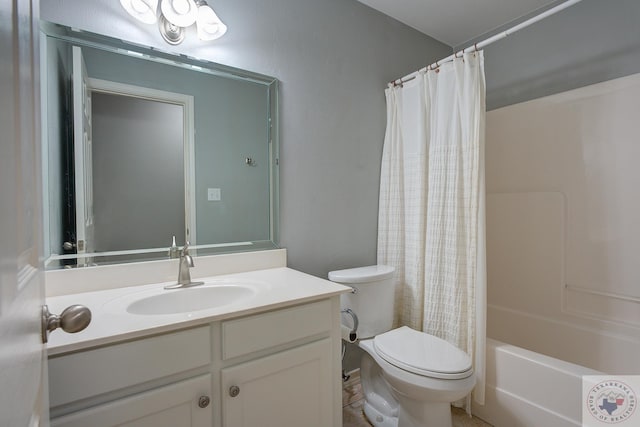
{"x": 75, "y": 318}
{"x": 204, "y": 401}
{"x": 72, "y": 319}
{"x": 234, "y": 390}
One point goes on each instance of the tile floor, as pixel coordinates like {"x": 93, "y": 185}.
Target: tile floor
{"x": 352, "y": 401}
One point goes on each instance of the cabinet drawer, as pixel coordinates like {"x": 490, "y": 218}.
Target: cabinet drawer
{"x": 90, "y": 373}
{"x": 169, "y": 406}
{"x": 261, "y": 331}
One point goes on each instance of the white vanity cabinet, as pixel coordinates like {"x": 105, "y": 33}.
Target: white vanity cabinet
{"x": 277, "y": 368}
{"x": 290, "y": 388}
{"x": 293, "y": 387}
{"x": 158, "y": 381}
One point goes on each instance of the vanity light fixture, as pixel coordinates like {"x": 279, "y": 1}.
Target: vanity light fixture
{"x": 142, "y": 10}
{"x": 209, "y": 26}
{"x": 174, "y": 16}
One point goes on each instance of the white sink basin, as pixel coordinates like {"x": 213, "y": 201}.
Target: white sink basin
{"x": 187, "y": 300}
{"x": 154, "y": 300}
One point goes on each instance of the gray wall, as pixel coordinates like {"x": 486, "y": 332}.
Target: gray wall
{"x": 333, "y": 58}
{"x": 587, "y": 43}
{"x": 138, "y": 185}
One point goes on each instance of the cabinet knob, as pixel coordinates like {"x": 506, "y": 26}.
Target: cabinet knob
{"x": 234, "y": 390}
{"x": 204, "y": 401}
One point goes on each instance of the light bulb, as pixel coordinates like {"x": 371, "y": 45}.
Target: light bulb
{"x": 180, "y": 12}
{"x": 142, "y": 10}
{"x": 139, "y": 6}
{"x": 210, "y": 27}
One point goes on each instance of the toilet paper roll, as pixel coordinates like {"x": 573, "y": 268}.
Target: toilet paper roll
{"x": 347, "y": 335}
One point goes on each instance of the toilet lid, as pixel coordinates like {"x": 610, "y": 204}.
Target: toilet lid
{"x": 422, "y": 354}
{"x": 372, "y": 273}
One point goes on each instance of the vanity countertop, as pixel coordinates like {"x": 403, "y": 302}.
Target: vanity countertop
{"x": 275, "y": 288}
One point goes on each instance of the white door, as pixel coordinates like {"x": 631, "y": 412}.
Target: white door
{"x": 23, "y": 394}
{"x": 288, "y": 389}
{"x": 83, "y": 160}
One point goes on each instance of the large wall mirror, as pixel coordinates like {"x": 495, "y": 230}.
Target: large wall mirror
{"x": 141, "y": 145}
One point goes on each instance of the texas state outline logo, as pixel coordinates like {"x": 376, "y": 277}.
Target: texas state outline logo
{"x": 610, "y": 400}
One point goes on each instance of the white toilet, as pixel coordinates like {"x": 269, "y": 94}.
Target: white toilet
{"x": 409, "y": 378}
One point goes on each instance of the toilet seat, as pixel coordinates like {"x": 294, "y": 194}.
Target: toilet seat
{"x": 422, "y": 354}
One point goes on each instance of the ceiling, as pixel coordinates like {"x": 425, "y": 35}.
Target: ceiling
{"x": 454, "y": 22}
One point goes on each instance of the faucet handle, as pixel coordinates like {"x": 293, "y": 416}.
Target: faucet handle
{"x": 185, "y": 254}
{"x": 185, "y": 248}
{"x": 184, "y": 277}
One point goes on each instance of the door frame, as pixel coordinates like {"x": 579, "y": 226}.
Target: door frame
{"x": 82, "y": 153}
{"x": 188, "y": 137}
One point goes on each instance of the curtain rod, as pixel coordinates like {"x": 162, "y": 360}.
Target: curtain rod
{"x": 490, "y": 40}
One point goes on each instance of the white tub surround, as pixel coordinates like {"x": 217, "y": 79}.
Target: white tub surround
{"x": 271, "y": 357}
{"x": 562, "y": 234}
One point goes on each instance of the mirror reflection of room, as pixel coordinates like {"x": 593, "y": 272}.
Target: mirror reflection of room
{"x": 139, "y": 150}
{"x": 137, "y": 172}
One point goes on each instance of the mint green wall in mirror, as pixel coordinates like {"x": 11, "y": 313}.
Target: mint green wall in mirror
{"x": 234, "y": 119}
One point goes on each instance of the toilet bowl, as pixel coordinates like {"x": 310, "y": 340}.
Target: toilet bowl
{"x": 409, "y": 378}
{"x": 424, "y": 392}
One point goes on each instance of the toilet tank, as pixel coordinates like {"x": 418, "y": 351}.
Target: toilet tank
{"x": 372, "y": 300}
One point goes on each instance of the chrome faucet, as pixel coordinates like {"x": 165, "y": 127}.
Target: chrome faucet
{"x": 184, "y": 275}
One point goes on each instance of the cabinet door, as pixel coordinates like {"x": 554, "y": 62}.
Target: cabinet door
{"x": 287, "y": 389}
{"x": 169, "y": 406}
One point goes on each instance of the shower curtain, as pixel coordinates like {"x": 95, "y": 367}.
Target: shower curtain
{"x": 431, "y": 223}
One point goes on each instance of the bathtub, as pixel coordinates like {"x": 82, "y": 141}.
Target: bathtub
{"x": 528, "y": 389}
{"x": 547, "y": 324}
{"x": 562, "y": 251}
